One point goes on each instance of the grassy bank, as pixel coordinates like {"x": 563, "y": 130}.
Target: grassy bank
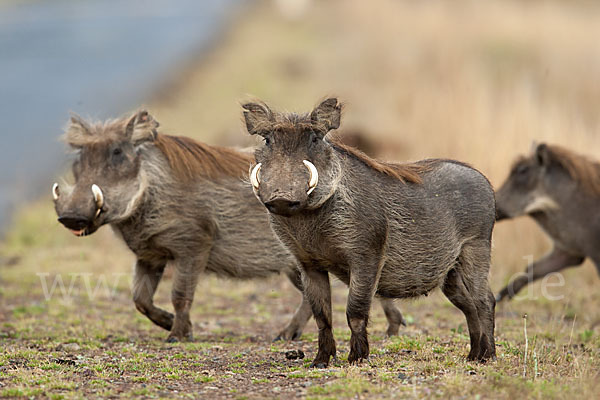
{"x": 476, "y": 82}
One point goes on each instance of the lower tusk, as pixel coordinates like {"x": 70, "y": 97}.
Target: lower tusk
{"x": 98, "y": 196}
{"x": 55, "y": 191}
{"x": 254, "y": 176}
{"x": 314, "y": 176}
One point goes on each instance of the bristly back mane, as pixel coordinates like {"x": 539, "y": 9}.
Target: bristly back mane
{"x": 580, "y": 168}
{"x": 407, "y": 173}
{"x": 190, "y": 159}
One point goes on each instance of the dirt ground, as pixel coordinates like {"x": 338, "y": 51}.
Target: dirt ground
{"x": 477, "y": 82}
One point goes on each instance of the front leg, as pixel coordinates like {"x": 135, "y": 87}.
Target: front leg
{"x": 185, "y": 280}
{"x": 364, "y": 278}
{"x": 145, "y": 281}
{"x": 555, "y": 261}
{"x": 318, "y": 292}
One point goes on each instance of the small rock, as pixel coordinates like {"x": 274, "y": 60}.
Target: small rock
{"x": 294, "y": 354}
{"x": 71, "y": 347}
{"x": 211, "y": 387}
{"x": 402, "y": 376}
{"x": 218, "y": 348}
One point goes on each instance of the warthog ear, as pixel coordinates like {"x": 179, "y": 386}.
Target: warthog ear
{"x": 258, "y": 117}
{"x": 78, "y": 134}
{"x": 141, "y": 128}
{"x": 542, "y": 154}
{"x": 327, "y": 115}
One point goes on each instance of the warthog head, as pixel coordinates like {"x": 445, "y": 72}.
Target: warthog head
{"x": 532, "y": 184}
{"x": 293, "y": 168}
{"x": 108, "y": 182}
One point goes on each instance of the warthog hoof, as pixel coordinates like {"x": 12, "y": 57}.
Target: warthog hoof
{"x": 289, "y": 334}
{"x": 180, "y": 338}
{"x": 320, "y": 364}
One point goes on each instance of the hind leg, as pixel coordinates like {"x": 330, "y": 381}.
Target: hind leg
{"x": 455, "y": 290}
{"x": 294, "y": 329}
{"x": 393, "y": 315}
{"x": 474, "y": 270}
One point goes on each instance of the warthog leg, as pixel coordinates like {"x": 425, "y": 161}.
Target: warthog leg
{"x": 364, "y": 277}
{"x": 185, "y": 280}
{"x": 393, "y": 315}
{"x": 294, "y": 329}
{"x": 467, "y": 287}
{"x": 555, "y": 261}
{"x": 145, "y": 282}
{"x": 455, "y": 290}
{"x": 318, "y": 290}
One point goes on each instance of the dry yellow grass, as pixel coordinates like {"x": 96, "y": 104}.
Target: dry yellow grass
{"x": 471, "y": 80}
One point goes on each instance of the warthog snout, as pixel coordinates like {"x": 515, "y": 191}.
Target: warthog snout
{"x": 74, "y": 222}
{"x": 312, "y": 182}
{"x": 283, "y": 206}
{"x": 74, "y": 210}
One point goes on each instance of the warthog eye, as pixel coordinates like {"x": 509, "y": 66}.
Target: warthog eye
{"x": 267, "y": 141}
{"x": 522, "y": 169}
{"x": 117, "y": 151}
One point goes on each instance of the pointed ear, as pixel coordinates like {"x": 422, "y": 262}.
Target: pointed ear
{"x": 542, "y": 154}
{"x": 78, "y": 133}
{"x": 257, "y": 116}
{"x": 327, "y": 115}
{"x": 141, "y": 128}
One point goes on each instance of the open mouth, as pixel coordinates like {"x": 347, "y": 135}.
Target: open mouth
{"x": 81, "y": 232}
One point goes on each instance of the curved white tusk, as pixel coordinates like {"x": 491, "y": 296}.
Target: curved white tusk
{"x": 98, "y": 196}
{"x": 55, "y": 191}
{"x": 314, "y": 176}
{"x": 254, "y": 176}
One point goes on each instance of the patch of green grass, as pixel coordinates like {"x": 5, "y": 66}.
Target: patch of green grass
{"x": 399, "y": 343}
{"x": 204, "y": 379}
{"x": 345, "y": 388}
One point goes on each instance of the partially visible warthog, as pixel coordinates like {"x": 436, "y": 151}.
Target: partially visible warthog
{"x": 174, "y": 200}
{"x": 560, "y": 190}
{"x": 390, "y": 230}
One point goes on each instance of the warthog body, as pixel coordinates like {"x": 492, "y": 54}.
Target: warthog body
{"x": 560, "y": 190}
{"x": 175, "y": 200}
{"x": 390, "y": 230}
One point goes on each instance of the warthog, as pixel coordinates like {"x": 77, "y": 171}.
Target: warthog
{"x": 391, "y": 230}
{"x": 560, "y": 190}
{"x": 175, "y": 200}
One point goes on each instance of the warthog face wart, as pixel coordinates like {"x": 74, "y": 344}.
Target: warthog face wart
{"x": 107, "y": 179}
{"x": 287, "y": 175}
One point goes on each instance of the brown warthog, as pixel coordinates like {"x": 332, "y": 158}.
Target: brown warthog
{"x": 390, "y": 230}
{"x": 175, "y": 200}
{"x": 560, "y": 190}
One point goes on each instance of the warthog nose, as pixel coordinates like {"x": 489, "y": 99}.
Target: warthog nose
{"x": 283, "y": 206}
{"x": 74, "y": 222}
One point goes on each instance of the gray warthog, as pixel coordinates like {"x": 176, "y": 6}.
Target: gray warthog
{"x": 391, "y": 230}
{"x": 175, "y": 200}
{"x": 560, "y": 190}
